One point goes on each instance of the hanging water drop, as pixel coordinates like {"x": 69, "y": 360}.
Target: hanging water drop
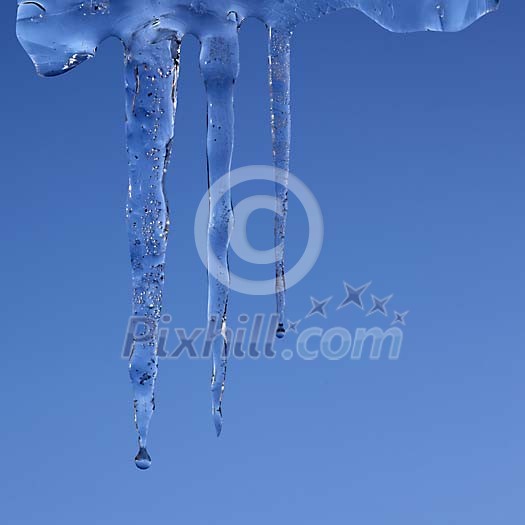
{"x": 142, "y": 459}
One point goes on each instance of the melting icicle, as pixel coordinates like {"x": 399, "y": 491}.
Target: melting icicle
{"x": 151, "y": 82}
{"x": 61, "y": 34}
{"x": 279, "y": 64}
{"x": 219, "y": 62}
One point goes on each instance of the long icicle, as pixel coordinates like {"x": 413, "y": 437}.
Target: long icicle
{"x": 151, "y": 82}
{"x": 279, "y": 73}
{"x": 219, "y": 61}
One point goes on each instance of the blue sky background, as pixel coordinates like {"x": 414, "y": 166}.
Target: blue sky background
{"x": 413, "y": 146}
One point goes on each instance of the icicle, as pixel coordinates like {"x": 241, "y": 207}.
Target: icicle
{"x": 279, "y": 72}
{"x": 151, "y": 81}
{"x": 219, "y": 61}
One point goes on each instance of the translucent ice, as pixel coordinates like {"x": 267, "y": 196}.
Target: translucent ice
{"x": 61, "y": 34}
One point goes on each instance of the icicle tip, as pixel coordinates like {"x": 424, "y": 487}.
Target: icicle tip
{"x": 217, "y": 421}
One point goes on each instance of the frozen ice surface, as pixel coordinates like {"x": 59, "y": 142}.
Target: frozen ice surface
{"x": 61, "y": 34}
{"x": 55, "y": 31}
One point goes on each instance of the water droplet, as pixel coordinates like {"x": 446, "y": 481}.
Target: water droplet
{"x": 143, "y": 459}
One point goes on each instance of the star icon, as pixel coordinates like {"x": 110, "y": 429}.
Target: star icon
{"x": 379, "y": 305}
{"x": 400, "y": 318}
{"x": 353, "y": 295}
{"x": 292, "y": 326}
{"x": 318, "y": 307}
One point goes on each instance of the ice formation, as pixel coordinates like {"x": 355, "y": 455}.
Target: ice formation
{"x": 61, "y": 34}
